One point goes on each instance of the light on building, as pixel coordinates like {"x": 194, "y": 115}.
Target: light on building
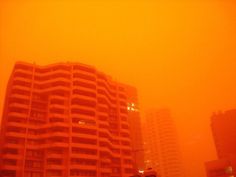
{"x": 81, "y": 122}
{"x": 141, "y": 171}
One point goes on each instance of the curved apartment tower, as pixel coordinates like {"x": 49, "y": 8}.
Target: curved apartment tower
{"x": 64, "y": 120}
{"x": 161, "y": 147}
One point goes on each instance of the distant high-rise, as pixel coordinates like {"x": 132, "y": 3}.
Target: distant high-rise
{"x": 64, "y": 120}
{"x": 224, "y": 134}
{"x": 161, "y": 144}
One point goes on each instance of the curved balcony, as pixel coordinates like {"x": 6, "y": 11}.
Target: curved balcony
{"x": 15, "y": 146}
{"x": 10, "y": 167}
{"x": 22, "y": 78}
{"x": 85, "y": 97}
{"x": 57, "y": 106}
{"x": 21, "y": 87}
{"x": 56, "y": 88}
{"x": 16, "y": 135}
{"x": 11, "y": 156}
{"x": 20, "y": 96}
{"x": 83, "y": 135}
{"x": 56, "y": 144}
{"x": 19, "y": 105}
{"x": 60, "y": 117}
{"x": 18, "y": 70}
{"x": 81, "y": 145}
{"x": 18, "y": 124}
{"x": 53, "y": 72}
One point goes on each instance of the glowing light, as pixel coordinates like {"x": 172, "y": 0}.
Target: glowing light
{"x": 81, "y": 122}
{"x": 141, "y": 171}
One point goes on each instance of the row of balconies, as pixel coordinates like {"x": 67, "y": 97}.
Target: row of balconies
{"x": 78, "y": 96}
{"x": 82, "y": 123}
{"x": 67, "y": 73}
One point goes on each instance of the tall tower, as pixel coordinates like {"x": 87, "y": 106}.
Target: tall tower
{"x": 135, "y": 127}
{"x": 161, "y": 144}
{"x": 64, "y": 120}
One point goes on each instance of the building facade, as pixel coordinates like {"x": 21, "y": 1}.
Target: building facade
{"x": 161, "y": 144}
{"x": 64, "y": 120}
{"x": 223, "y": 127}
{"x": 135, "y": 127}
{"x": 224, "y": 167}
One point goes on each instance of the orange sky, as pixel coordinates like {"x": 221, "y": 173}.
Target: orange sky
{"x": 179, "y": 54}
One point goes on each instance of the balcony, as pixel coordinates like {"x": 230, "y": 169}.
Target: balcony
{"x": 82, "y": 145}
{"x": 58, "y": 116}
{"x": 22, "y": 78}
{"x": 80, "y": 79}
{"x": 84, "y": 135}
{"x": 28, "y": 72}
{"x": 54, "y": 167}
{"x": 59, "y": 134}
{"x": 19, "y": 105}
{"x": 55, "y": 144}
{"x": 20, "y": 96}
{"x": 10, "y": 167}
{"x": 21, "y": 87}
{"x": 16, "y": 135}
{"x": 83, "y": 167}
{"x": 105, "y": 160}
{"x": 58, "y": 97}
{"x": 15, "y": 146}
{"x": 18, "y": 115}
{"x": 55, "y": 124}
{"x": 54, "y": 156}
{"x": 57, "y": 106}
{"x": 55, "y": 79}
{"x": 85, "y": 156}
{"x": 11, "y": 156}
{"x": 56, "y": 88}
{"x": 81, "y": 107}
{"x": 17, "y": 124}
{"x": 85, "y": 97}
{"x": 106, "y": 170}
{"x": 51, "y": 72}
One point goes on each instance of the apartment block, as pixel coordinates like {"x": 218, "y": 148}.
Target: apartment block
{"x": 64, "y": 120}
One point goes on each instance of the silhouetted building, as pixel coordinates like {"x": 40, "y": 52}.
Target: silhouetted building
{"x": 135, "y": 127}
{"x": 224, "y": 167}
{"x": 64, "y": 120}
{"x": 161, "y": 144}
{"x": 224, "y": 134}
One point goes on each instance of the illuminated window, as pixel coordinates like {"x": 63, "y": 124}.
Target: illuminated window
{"x": 132, "y": 107}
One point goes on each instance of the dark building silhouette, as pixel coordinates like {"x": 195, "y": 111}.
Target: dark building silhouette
{"x": 224, "y": 134}
{"x": 65, "y": 120}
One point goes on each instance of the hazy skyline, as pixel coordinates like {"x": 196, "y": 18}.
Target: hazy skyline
{"x": 179, "y": 54}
